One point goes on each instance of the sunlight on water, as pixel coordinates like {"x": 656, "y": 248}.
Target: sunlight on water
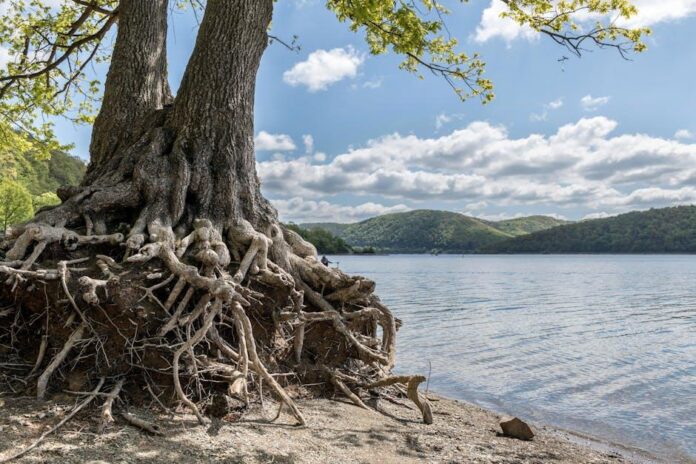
{"x": 600, "y": 344}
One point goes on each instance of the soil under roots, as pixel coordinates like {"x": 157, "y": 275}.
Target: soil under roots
{"x": 199, "y": 320}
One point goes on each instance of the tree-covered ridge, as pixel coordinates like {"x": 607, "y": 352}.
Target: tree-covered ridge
{"x": 336, "y": 228}
{"x": 527, "y": 225}
{"x": 666, "y": 230}
{"x": 422, "y": 231}
{"x": 325, "y": 241}
{"x": 40, "y": 175}
{"x": 29, "y": 180}
{"x": 426, "y": 231}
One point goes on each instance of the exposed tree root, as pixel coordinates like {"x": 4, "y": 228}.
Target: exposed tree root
{"x": 142, "y": 424}
{"x": 107, "y": 416}
{"x": 206, "y": 325}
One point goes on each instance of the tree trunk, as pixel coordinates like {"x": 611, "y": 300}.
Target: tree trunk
{"x": 214, "y": 112}
{"x": 236, "y": 293}
{"x": 136, "y": 83}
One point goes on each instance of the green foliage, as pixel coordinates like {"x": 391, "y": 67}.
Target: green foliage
{"x": 416, "y": 30}
{"x": 37, "y": 175}
{"x": 527, "y": 225}
{"x": 40, "y": 175}
{"x": 50, "y": 45}
{"x": 333, "y": 227}
{"x": 422, "y": 231}
{"x": 666, "y": 230}
{"x": 427, "y": 231}
{"x": 15, "y": 204}
{"x": 45, "y": 199}
{"x": 322, "y": 239}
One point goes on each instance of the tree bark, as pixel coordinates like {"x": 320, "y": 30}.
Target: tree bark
{"x": 214, "y": 113}
{"x": 136, "y": 83}
{"x": 184, "y": 176}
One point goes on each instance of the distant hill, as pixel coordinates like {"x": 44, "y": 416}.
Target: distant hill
{"x": 527, "y": 225}
{"x": 420, "y": 231}
{"x": 425, "y": 231}
{"x": 335, "y": 228}
{"x": 325, "y": 241}
{"x": 41, "y": 176}
{"x": 665, "y": 230}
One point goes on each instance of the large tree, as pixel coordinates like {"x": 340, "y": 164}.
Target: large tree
{"x": 167, "y": 271}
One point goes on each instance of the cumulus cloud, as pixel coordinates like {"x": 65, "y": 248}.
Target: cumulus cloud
{"x": 590, "y": 103}
{"x": 651, "y": 12}
{"x": 684, "y": 134}
{"x": 299, "y": 210}
{"x": 323, "y": 68}
{"x": 273, "y": 142}
{"x": 583, "y": 165}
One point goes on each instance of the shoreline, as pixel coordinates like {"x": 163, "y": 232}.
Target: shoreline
{"x": 337, "y": 432}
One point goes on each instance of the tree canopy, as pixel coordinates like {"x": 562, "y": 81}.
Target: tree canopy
{"x": 51, "y": 44}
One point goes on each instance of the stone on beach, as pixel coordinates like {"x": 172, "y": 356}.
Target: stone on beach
{"x": 516, "y": 428}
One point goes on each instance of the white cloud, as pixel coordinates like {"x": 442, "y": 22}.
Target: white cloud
{"x": 300, "y": 210}
{"x": 308, "y": 141}
{"x": 590, "y": 103}
{"x": 493, "y": 26}
{"x": 373, "y": 84}
{"x": 597, "y": 215}
{"x": 582, "y": 165}
{"x": 651, "y": 12}
{"x": 324, "y": 68}
{"x": 273, "y": 142}
{"x": 550, "y": 106}
{"x": 684, "y": 134}
{"x": 554, "y": 105}
{"x": 441, "y": 119}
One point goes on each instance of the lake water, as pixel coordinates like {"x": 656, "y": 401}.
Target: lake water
{"x": 602, "y": 344}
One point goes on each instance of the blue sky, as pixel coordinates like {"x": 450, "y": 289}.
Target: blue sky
{"x": 343, "y": 135}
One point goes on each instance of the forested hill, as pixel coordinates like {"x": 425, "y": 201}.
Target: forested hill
{"x": 665, "y": 230}
{"x": 39, "y": 175}
{"x": 425, "y": 231}
{"x": 527, "y": 225}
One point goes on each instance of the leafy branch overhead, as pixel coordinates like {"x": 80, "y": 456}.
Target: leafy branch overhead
{"x": 50, "y": 47}
{"x": 417, "y": 31}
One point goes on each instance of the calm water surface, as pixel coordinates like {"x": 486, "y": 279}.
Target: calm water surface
{"x": 600, "y": 344}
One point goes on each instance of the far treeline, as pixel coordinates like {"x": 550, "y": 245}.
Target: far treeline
{"x": 423, "y": 231}
{"x": 665, "y": 230}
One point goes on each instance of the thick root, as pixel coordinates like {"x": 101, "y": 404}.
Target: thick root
{"x": 208, "y": 327}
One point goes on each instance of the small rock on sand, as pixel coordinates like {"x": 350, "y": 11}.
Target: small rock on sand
{"x": 516, "y": 428}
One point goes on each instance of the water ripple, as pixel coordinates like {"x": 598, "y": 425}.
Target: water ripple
{"x": 601, "y": 344}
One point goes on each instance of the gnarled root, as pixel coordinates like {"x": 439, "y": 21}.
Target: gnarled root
{"x": 207, "y": 327}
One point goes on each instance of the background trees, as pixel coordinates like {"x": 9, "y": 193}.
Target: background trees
{"x": 15, "y": 204}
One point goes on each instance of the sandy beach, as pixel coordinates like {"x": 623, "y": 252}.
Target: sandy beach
{"x": 337, "y": 432}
